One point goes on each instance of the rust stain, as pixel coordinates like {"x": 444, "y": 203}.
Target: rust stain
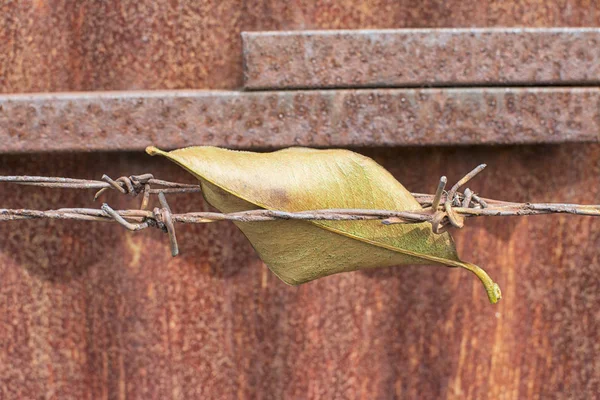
{"x": 265, "y": 277}
{"x": 135, "y": 251}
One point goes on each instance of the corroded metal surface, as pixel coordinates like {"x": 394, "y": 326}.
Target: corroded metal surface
{"x": 62, "y": 45}
{"x": 424, "y": 57}
{"x": 133, "y": 120}
{"x": 89, "y": 310}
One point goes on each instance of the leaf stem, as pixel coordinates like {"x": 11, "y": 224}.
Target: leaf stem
{"x": 493, "y": 290}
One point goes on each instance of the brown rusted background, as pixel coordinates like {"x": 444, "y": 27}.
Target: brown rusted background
{"x": 67, "y": 45}
{"x": 91, "y": 311}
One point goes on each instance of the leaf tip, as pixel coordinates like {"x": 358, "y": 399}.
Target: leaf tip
{"x": 154, "y": 151}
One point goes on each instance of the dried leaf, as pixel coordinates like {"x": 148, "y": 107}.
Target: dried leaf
{"x": 301, "y": 179}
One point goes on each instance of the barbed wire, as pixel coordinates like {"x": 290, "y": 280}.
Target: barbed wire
{"x": 441, "y": 209}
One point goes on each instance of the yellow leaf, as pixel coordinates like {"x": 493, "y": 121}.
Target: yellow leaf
{"x": 301, "y": 179}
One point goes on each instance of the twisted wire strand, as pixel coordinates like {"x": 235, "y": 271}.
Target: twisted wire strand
{"x": 441, "y": 210}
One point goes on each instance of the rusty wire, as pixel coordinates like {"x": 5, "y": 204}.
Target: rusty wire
{"x": 440, "y": 210}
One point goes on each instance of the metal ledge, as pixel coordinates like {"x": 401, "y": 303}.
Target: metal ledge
{"x": 421, "y": 57}
{"x": 111, "y": 121}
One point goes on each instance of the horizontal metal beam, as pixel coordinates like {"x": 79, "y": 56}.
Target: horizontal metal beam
{"x": 374, "y": 117}
{"x": 421, "y": 57}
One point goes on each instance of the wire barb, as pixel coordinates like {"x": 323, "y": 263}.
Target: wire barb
{"x": 117, "y": 217}
{"x": 438, "y": 193}
{"x": 457, "y": 220}
{"x": 165, "y": 215}
{"x": 467, "y": 200}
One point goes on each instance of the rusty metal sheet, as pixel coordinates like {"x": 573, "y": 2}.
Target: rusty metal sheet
{"x": 90, "y": 311}
{"x": 56, "y": 45}
{"x": 421, "y": 57}
{"x": 381, "y": 117}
